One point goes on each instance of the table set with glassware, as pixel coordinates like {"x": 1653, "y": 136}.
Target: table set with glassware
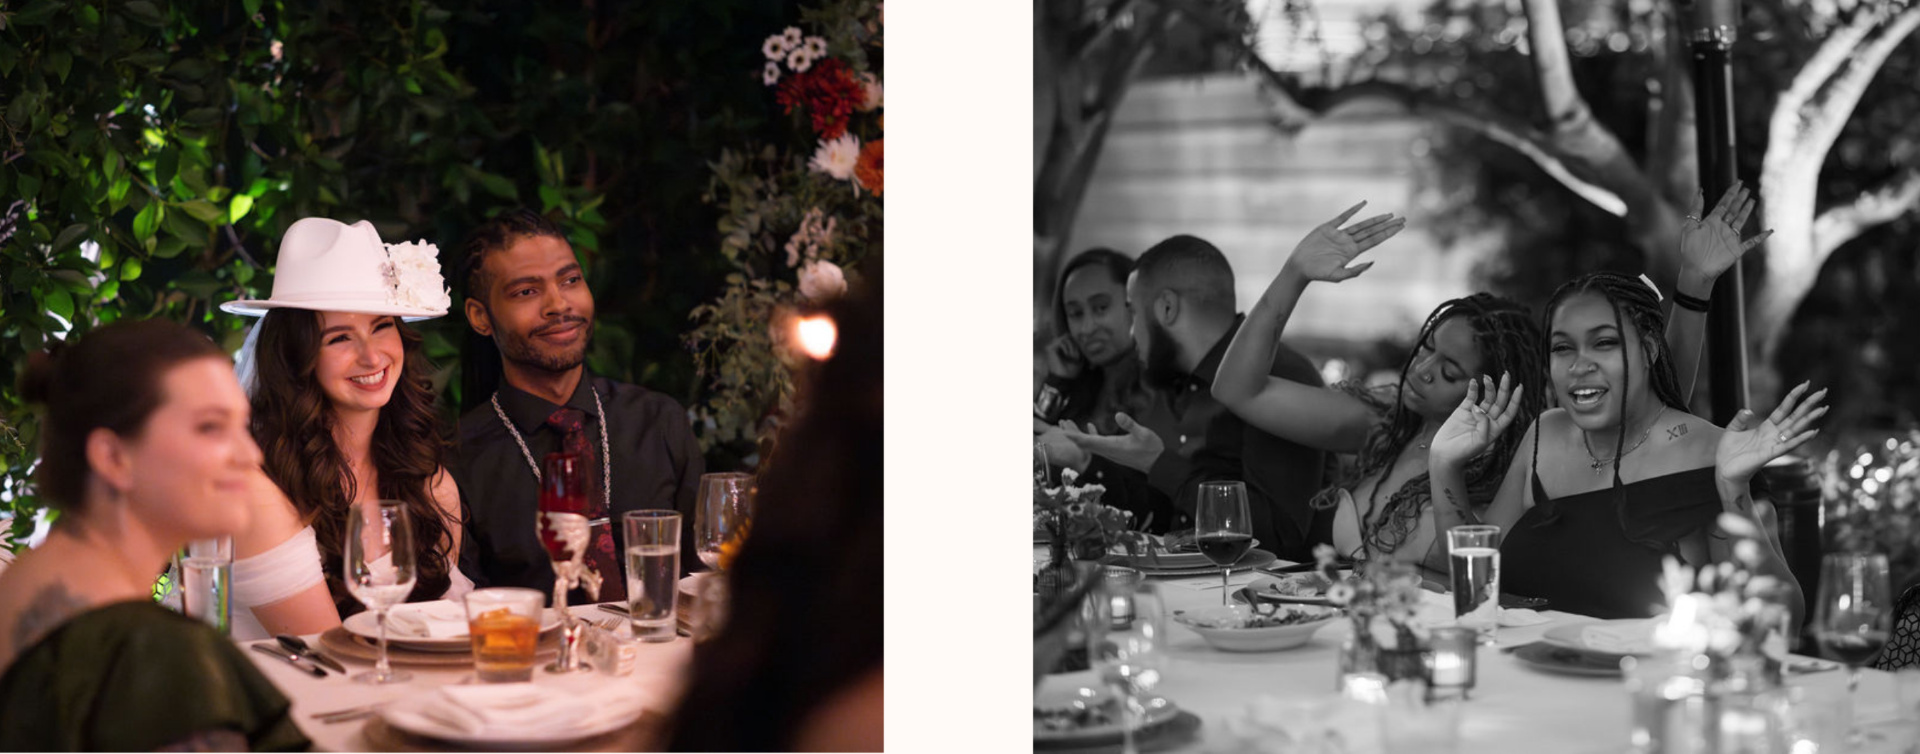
{"x": 1229, "y": 648}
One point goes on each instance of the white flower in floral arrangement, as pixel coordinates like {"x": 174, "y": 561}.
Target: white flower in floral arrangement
{"x": 800, "y": 60}
{"x": 870, "y": 87}
{"x": 413, "y": 277}
{"x": 837, "y": 158}
{"x": 791, "y": 36}
{"x": 771, "y": 75}
{"x": 815, "y": 46}
{"x": 1340, "y": 593}
{"x": 821, "y": 280}
{"x": 775, "y": 48}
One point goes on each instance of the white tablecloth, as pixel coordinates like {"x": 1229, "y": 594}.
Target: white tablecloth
{"x": 1513, "y": 708}
{"x": 658, "y": 674}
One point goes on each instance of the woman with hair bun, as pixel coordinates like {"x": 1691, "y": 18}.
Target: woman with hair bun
{"x": 144, "y": 446}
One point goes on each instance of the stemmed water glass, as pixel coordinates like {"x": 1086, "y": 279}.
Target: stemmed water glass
{"x": 1853, "y": 617}
{"x": 726, "y": 505}
{"x": 1128, "y": 656}
{"x": 1222, "y": 527}
{"x": 565, "y": 533}
{"x": 379, "y": 570}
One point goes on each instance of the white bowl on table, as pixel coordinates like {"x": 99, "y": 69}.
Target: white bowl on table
{"x": 1224, "y": 627}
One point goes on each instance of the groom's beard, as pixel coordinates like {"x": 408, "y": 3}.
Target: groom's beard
{"x": 1161, "y": 369}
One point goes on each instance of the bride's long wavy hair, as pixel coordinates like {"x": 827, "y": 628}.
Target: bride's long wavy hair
{"x": 293, "y": 422}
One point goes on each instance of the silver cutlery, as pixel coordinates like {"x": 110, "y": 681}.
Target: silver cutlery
{"x": 343, "y": 715}
{"x": 614, "y": 608}
{"x": 1251, "y": 597}
{"x": 291, "y": 659}
{"x": 295, "y": 645}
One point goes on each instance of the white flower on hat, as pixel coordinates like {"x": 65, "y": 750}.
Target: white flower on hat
{"x": 821, "y": 280}
{"x": 412, "y": 272}
{"x": 774, "y": 48}
{"x": 838, "y": 157}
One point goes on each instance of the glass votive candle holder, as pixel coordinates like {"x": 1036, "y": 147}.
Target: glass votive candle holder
{"x": 1450, "y": 664}
{"x": 1120, "y": 585}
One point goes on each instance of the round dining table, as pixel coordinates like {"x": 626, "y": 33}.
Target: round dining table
{"x": 657, "y": 677}
{"x": 1513, "y": 707}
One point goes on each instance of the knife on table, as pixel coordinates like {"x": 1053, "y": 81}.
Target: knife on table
{"x": 291, "y": 659}
{"x": 295, "y": 645}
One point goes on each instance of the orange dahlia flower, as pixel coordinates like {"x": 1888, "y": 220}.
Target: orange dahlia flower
{"x": 869, "y": 170}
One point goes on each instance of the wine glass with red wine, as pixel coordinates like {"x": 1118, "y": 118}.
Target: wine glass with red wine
{"x": 1854, "y": 616}
{"x": 1222, "y": 527}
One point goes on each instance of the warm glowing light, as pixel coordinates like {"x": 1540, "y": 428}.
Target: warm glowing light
{"x": 817, "y": 335}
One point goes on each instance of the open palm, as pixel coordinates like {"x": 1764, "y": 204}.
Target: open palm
{"x": 1710, "y": 243}
{"x": 1748, "y": 444}
{"x": 1480, "y": 417}
{"x": 1325, "y": 253}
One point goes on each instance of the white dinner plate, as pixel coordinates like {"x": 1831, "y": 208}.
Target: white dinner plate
{"x": 1631, "y": 636}
{"x": 405, "y": 714}
{"x": 365, "y": 624}
{"x": 1068, "y": 696}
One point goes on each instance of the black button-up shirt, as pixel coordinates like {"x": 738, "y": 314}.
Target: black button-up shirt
{"x": 655, "y": 464}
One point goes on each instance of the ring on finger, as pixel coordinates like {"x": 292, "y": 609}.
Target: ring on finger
{"x": 1783, "y": 437}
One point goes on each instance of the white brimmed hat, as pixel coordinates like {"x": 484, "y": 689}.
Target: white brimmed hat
{"x": 327, "y": 265}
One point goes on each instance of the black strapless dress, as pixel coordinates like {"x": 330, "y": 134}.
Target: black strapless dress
{"x": 1598, "y": 553}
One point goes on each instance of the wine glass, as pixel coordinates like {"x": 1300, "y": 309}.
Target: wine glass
{"x": 379, "y": 570}
{"x": 726, "y": 505}
{"x": 1128, "y": 656}
{"x": 1853, "y": 617}
{"x": 1222, "y": 527}
{"x": 565, "y": 533}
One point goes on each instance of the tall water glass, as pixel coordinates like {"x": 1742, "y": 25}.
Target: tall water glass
{"x": 653, "y": 572}
{"x": 1222, "y": 527}
{"x": 206, "y": 579}
{"x": 1853, "y": 617}
{"x": 380, "y": 570}
{"x": 1473, "y": 562}
{"x": 1128, "y": 653}
{"x": 726, "y": 504}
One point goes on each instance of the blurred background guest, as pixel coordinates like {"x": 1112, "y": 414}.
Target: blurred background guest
{"x": 1091, "y": 369}
{"x": 145, "y": 446}
{"x": 798, "y": 665}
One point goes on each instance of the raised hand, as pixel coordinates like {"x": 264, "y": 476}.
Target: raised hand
{"x": 1063, "y": 358}
{"x": 1748, "y": 444}
{"x": 1480, "y": 417}
{"x": 1136, "y": 447}
{"x": 1325, "y": 252}
{"x": 1710, "y": 243}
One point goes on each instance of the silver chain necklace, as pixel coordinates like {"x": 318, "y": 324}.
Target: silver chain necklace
{"x": 606, "y": 456}
{"x": 1600, "y": 464}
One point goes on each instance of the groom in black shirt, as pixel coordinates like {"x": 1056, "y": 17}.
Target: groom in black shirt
{"x": 527, "y": 292}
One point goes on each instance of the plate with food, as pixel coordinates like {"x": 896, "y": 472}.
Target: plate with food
{"x": 1170, "y": 552}
{"x": 1074, "y": 709}
{"x": 1253, "y": 559}
{"x": 1242, "y": 629}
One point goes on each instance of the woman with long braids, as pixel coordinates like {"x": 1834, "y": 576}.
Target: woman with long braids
{"x": 1621, "y": 474}
{"x": 343, "y": 411}
{"x": 1462, "y": 340}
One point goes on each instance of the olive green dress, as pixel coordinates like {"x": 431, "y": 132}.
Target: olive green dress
{"x": 134, "y": 676}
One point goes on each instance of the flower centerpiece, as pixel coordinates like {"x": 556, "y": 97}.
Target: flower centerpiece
{"x": 1077, "y": 525}
{"x": 1726, "y": 613}
{"x": 1381, "y": 601}
{"x": 1872, "y": 497}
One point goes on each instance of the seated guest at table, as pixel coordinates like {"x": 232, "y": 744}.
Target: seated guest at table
{"x": 144, "y": 446}
{"x": 1462, "y": 340}
{"x": 1181, "y": 296}
{"x": 1621, "y": 474}
{"x": 1091, "y": 369}
{"x": 798, "y": 665}
{"x": 527, "y": 292}
{"x": 343, "y": 409}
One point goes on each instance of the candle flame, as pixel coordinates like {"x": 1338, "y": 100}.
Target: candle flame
{"x": 817, "y": 335}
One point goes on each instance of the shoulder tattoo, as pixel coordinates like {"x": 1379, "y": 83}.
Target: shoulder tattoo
{"x": 43, "y": 613}
{"x": 1676, "y": 431}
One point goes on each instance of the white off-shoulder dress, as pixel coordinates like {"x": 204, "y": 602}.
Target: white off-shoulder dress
{"x": 287, "y": 569}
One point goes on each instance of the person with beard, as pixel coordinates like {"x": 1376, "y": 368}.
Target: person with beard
{"x": 527, "y": 292}
{"x": 1182, "y": 301}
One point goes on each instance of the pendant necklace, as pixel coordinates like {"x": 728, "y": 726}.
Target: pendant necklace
{"x": 1601, "y": 463}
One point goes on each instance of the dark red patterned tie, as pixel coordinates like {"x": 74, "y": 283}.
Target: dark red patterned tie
{"x": 600, "y": 556}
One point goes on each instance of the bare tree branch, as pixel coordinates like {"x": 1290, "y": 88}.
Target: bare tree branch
{"x": 1835, "y": 106}
{"x": 1790, "y": 110}
{"x": 1883, "y": 204}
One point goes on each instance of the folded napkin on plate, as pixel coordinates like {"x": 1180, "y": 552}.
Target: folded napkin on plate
{"x": 1619, "y": 637}
{"x": 504, "y": 710}
{"x": 439, "y": 619}
{"x": 1516, "y": 617}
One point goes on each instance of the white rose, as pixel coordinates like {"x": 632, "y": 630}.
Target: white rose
{"x": 821, "y": 280}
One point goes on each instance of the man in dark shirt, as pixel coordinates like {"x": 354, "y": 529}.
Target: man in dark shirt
{"x": 1181, "y": 292}
{"x": 526, "y": 291}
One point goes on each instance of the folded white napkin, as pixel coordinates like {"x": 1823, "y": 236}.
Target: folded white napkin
{"x": 507, "y": 710}
{"x": 1516, "y": 617}
{"x": 439, "y": 619}
{"x": 1620, "y": 636}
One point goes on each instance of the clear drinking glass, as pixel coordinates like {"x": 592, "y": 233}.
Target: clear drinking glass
{"x": 1222, "y": 527}
{"x": 565, "y": 533}
{"x": 1853, "y": 617}
{"x": 1128, "y": 653}
{"x": 206, "y": 581}
{"x": 726, "y": 505}
{"x": 653, "y": 572}
{"x": 379, "y": 570}
{"x": 1473, "y": 562}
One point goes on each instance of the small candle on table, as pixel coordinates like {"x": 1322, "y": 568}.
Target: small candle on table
{"x": 1452, "y": 665}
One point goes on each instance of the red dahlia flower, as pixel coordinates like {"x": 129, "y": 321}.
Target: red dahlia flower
{"x": 829, "y": 93}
